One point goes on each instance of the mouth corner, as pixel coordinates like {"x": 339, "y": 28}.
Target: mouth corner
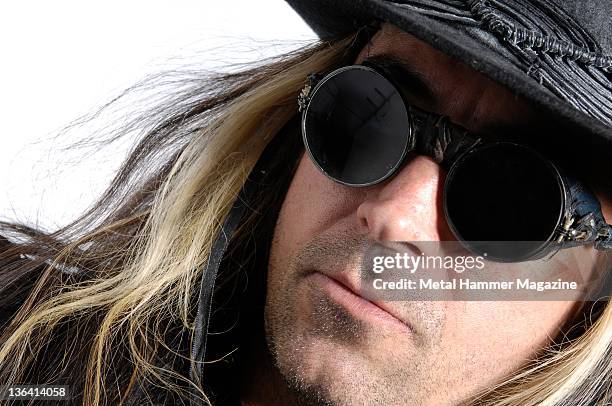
{"x": 342, "y": 289}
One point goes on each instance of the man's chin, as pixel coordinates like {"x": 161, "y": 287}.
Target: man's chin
{"x": 319, "y": 370}
{"x": 332, "y": 360}
{"x": 328, "y": 354}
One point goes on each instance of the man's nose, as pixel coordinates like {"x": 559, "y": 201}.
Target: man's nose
{"x": 409, "y": 206}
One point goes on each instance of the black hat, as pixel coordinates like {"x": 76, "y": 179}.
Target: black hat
{"x": 555, "y": 53}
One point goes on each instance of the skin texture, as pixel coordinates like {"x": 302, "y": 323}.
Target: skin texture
{"x": 321, "y": 353}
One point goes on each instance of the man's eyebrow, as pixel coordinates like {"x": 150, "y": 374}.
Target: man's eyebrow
{"x": 415, "y": 84}
{"x": 410, "y": 80}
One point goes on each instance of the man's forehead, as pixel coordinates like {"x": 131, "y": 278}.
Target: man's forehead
{"x": 467, "y": 96}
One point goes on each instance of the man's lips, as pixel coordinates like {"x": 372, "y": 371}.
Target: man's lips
{"x": 345, "y": 291}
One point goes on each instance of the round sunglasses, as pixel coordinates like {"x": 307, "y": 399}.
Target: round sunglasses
{"x": 501, "y": 199}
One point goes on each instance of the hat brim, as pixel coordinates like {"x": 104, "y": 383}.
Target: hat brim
{"x": 336, "y": 18}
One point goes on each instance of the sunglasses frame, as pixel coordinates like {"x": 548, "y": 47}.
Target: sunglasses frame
{"x": 564, "y": 196}
{"x": 315, "y": 83}
{"x": 580, "y": 220}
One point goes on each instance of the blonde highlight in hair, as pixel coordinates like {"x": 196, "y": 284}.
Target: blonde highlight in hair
{"x": 131, "y": 290}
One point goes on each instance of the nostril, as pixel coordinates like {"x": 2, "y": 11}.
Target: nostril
{"x": 363, "y": 212}
{"x": 363, "y": 222}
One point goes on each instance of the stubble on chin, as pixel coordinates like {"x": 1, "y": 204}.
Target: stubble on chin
{"x": 298, "y": 315}
{"x": 303, "y": 342}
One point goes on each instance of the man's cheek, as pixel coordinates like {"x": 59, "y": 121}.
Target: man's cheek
{"x": 306, "y": 204}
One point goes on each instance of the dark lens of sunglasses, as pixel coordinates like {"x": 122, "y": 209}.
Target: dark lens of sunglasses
{"x": 504, "y": 192}
{"x": 356, "y": 126}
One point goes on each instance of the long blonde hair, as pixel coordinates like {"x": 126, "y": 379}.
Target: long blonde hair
{"x": 139, "y": 252}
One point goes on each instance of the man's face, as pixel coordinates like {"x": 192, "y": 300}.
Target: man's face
{"x": 335, "y": 347}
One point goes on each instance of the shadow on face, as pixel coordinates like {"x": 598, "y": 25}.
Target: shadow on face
{"x": 330, "y": 344}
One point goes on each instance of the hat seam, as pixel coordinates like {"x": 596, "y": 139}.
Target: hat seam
{"x": 535, "y": 40}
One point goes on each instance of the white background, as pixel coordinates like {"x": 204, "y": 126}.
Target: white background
{"x": 60, "y": 60}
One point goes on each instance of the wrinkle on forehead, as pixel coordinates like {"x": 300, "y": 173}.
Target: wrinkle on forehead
{"x": 468, "y": 97}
